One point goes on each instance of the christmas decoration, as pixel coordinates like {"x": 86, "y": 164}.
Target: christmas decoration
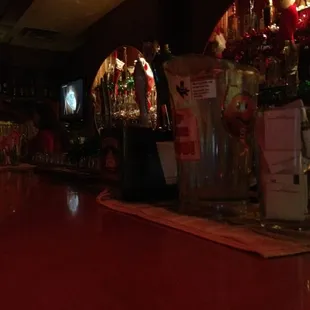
{"x": 288, "y": 21}
{"x": 218, "y": 42}
{"x": 10, "y": 136}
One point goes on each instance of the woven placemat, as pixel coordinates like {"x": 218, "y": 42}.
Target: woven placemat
{"x": 21, "y": 167}
{"x": 250, "y": 238}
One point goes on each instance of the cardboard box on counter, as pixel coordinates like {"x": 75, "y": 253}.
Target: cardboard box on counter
{"x": 281, "y": 165}
{"x": 282, "y": 130}
{"x": 286, "y": 197}
{"x": 278, "y": 134}
{"x": 284, "y": 162}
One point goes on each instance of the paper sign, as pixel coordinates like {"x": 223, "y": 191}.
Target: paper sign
{"x": 203, "y": 88}
{"x": 187, "y": 147}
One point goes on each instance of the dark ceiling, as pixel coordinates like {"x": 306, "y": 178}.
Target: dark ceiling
{"x": 56, "y": 25}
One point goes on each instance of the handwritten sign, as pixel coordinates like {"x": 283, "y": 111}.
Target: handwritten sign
{"x": 203, "y": 88}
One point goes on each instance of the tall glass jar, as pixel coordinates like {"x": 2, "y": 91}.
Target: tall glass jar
{"x": 214, "y": 103}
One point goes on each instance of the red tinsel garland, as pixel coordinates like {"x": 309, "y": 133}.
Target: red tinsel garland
{"x": 255, "y": 43}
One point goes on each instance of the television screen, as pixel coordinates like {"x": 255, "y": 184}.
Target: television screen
{"x": 72, "y": 99}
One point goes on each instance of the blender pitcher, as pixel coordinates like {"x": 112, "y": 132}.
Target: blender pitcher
{"x": 214, "y": 107}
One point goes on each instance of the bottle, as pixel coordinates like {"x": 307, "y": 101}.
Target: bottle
{"x": 246, "y": 22}
{"x": 4, "y": 79}
{"x": 291, "y": 67}
{"x": 14, "y": 89}
{"x": 232, "y": 24}
{"x": 262, "y": 23}
{"x": 267, "y": 14}
{"x": 32, "y": 89}
{"x": 13, "y": 155}
{"x": 5, "y": 88}
{"x": 21, "y": 90}
{"x": 26, "y": 88}
{"x": 163, "y": 96}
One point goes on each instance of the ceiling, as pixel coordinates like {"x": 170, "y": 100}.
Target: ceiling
{"x": 57, "y": 25}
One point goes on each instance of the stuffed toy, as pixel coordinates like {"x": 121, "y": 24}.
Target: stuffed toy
{"x": 217, "y": 42}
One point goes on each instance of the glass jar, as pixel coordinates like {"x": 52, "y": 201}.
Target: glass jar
{"x": 214, "y": 103}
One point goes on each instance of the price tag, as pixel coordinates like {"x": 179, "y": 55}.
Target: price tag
{"x": 203, "y": 88}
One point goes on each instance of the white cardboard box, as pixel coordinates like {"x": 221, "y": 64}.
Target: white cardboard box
{"x": 286, "y": 197}
{"x": 284, "y": 162}
{"x": 282, "y": 130}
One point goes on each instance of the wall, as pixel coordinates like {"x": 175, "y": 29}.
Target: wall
{"x": 20, "y": 66}
{"x": 129, "y": 24}
{"x": 27, "y": 57}
{"x": 26, "y": 63}
{"x": 205, "y": 15}
{"x": 184, "y": 24}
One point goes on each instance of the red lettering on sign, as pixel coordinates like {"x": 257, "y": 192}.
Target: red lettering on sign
{"x": 187, "y": 138}
{"x": 185, "y": 148}
{"x": 182, "y": 131}
{"x": 179, "y": 118}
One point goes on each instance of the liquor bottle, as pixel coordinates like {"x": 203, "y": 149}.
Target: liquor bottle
{"x": 5, "y": 87}
{"x": 261, "y": 24}
{"x": 291, "y": 67}
{"x": 246, "y": 22}
{"x": 13, "y": 156}
{"x": 105, "y": 101}
{"x": 232, "y": 24}
{"x": 14, "y": 89}
{"x": 4, "y": 79}
{"x": 162, "y": 88}
{"x": 141, "y": 90}
{"x": 32, "y": 89}
{"x": 21, "y": 90}
{"x": 26, "y": 88}
{"x": 267, "y": 14}
{"x": 249, "y": 18}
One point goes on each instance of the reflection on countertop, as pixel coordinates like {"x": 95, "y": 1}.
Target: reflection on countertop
{"x": 51, "y": 260}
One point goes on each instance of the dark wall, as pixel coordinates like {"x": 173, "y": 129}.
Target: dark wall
{"x": 22, "y": 64}
{"x": 25, "y": 69}
{"x": 17, "y": 56}
{"x": 205, "y": 16}
{"x": 129, "y": 24}
{"x": 184, "y": 24}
